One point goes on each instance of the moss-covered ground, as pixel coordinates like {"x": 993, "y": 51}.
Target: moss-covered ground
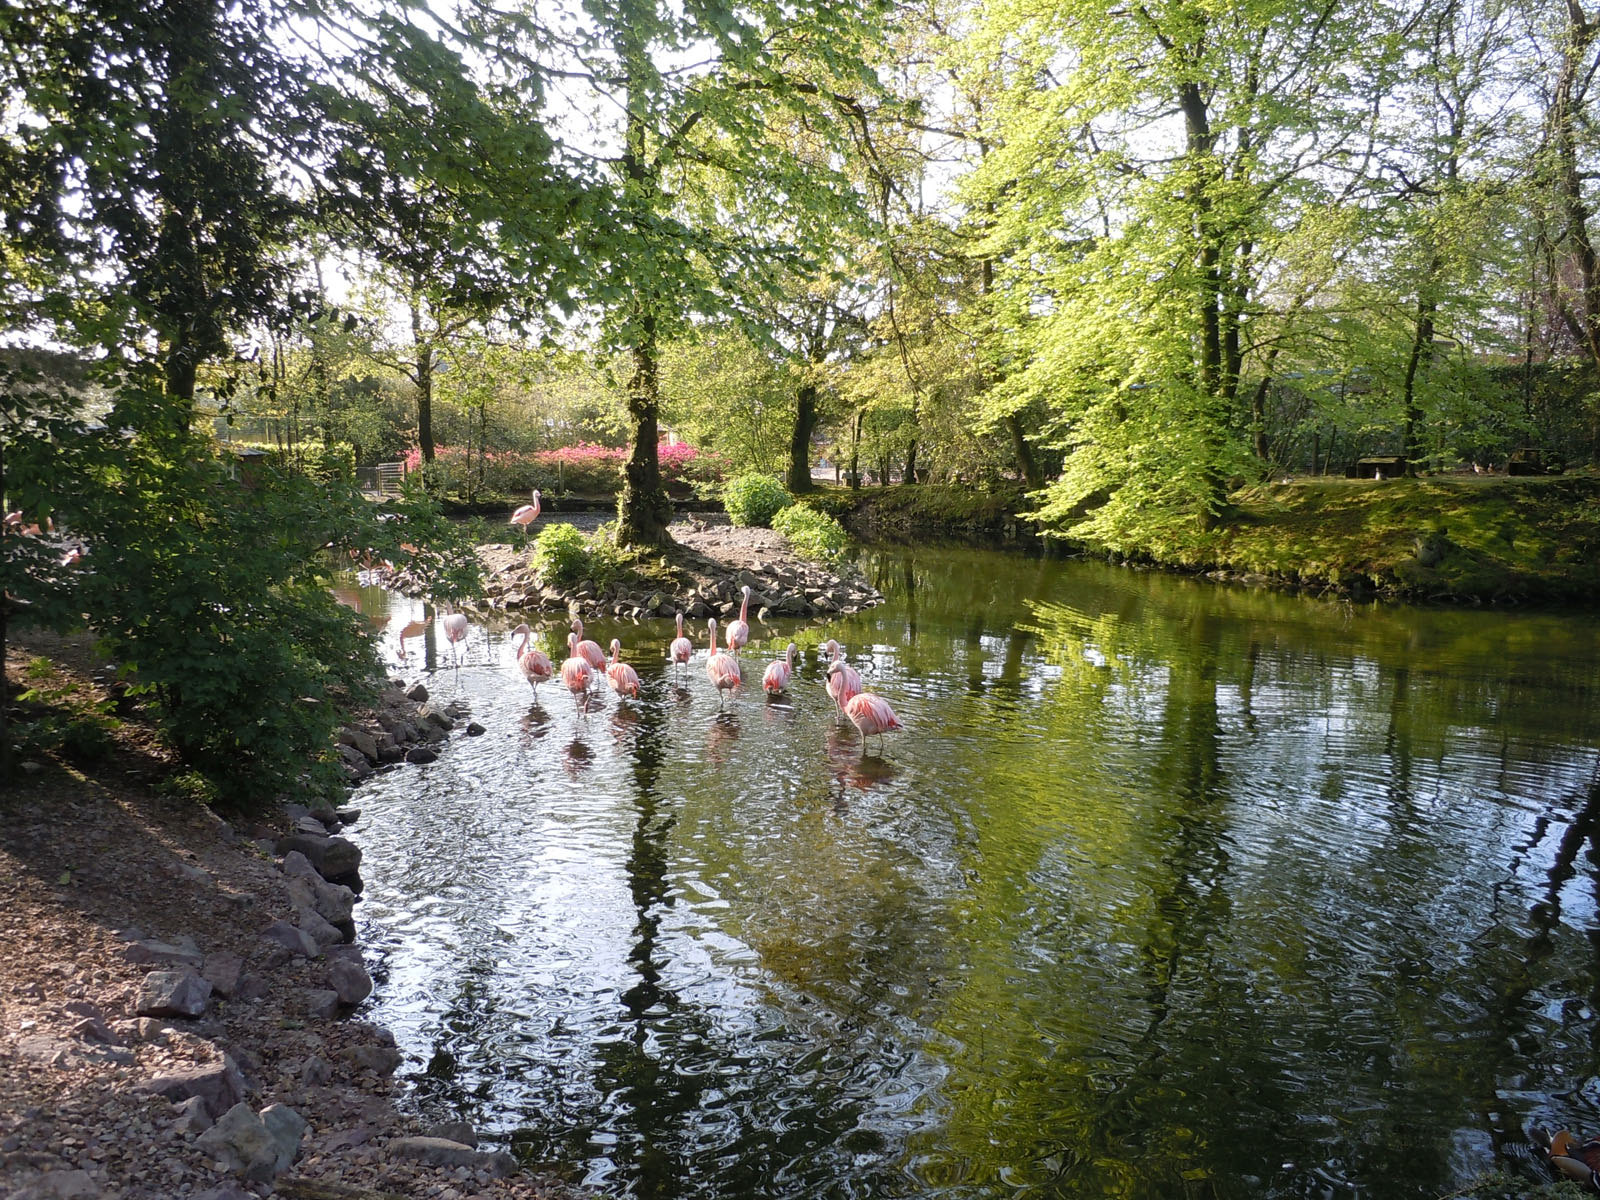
{"x": 1483, "y": 538}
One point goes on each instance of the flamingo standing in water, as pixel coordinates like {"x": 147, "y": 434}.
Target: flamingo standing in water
{"x": 624, "y": 680}
{"x": 844, "y": 681}
{"x": 576, "y": 673}
{"x": 455, "y": 629}
{"x": 776, "y": 680}
{"x": 739, "y": 631}
{"x": 722, "y": 669}
{"x": 412, "y": 629}
{"x": 591, "y": 652}
{"x": 528, "y": 513}
{"x": 870, "y": 714}
{"x": 533, "y": 663}
{"x": 680, "y": 649}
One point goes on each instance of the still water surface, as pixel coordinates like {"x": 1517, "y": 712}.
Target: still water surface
{"x": 1167, "y": 890}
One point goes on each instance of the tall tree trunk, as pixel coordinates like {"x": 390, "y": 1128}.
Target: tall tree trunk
{"x": 1199, "y": 145}
{"x": 1562, "y": 136}
{"x": 1417, "y": 366}
{"x": 644, "y": 509}
{"x": 798, "y": 480}
{"x": 910, "y": 475}
{"x": 424, "y": 380}
{"x": 853, "y": 475}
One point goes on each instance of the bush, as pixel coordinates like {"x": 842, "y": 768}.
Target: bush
{"x": 323, "y": 463}
{"x": 214, "y": 597}
{"x": 560, "y": 555}
{"x": 813, "y": 534}
{"x": 755, "y": 499}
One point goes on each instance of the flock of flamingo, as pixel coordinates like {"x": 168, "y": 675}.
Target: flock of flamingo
{"x": 586, "y": 665}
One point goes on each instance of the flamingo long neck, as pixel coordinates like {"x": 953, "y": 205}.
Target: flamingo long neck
{"x": 744, "y": 608}
{"x": 616, "y": 652}
{"x": 680, "y": 624}
{"x": 711, "y": 628}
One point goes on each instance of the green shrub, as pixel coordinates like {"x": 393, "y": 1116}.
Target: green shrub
{"x": 754, "y": 499}
{"x": 323, "y": 463}
{"x": 813, "y": 534}
{"x": 561, "y": 555}
{"x": 213, "y": 597}
{"x": 63, "y": 719}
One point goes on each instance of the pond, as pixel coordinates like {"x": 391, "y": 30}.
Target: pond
{"x": 1167, "y": 889}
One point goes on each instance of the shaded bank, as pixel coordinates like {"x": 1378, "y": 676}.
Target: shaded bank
{"x": 1441, "y": 539}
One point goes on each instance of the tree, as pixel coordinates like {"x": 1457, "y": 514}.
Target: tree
{"x": 693, "y": 189}
{"x": 1146, "y": 164}
{"x": 155, "y": 160}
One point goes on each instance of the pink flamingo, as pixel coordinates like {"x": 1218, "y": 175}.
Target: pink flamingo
{"x": 739, "y": 631}
{"x": 455, "y": 629}
{"x": 592, "y": 654}
{"x": 533, "y": 663}
{"x": 576, "y": 673}
{"x": 413, "y": 629}
{"x": 870, "y": 714}
{"x": 776, "y": 680}
{"x": 722, "y": 669}
{"x": 844, "y": 681}
{"x": 624, "y": 680}
{"x": 681, "y": 649}
{"x": 528, "y": 513}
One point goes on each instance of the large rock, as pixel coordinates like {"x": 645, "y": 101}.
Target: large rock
{"x": 295, "y": 941}
{"x": 381, "y": 1060}
{"x": 439, "y": 1152}
{"x": 173, "y": 994}
{"x": 286, "y": 1127}
{"x": 333, "y": 857}
{"x": 183, "y": 953}
{"x": 219, "y": 1085}
{"x": 361, "y": 741}
{"x": 221, "y": 971}
{"x": 257, "y": 1147}
{"x": 350, "y": 980}
{"x": 319, "y": 930}
{"x": 333, "y": 902}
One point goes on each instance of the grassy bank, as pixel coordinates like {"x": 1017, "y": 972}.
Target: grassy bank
{"x": 1489, "y": 539}
{"x": 1450, "y": 538}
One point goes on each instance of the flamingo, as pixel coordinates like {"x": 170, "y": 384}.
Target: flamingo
{"x": 455, "y": 629}
{"x": 533, "y": 663}
{"x": 722, "y": 669}
{"x": 528, "y": 513}
{"x": 412, "y": 629}
{"x": 739, "y": 631}
{"x": 591, "y": 652}
{"x": 681, "y": 649}
{"x": 575, "y": 674}
{"x": 777, "y": 677}
{"x": 624, "y": 680}
{"x": 868, "y": 713}
{"x": 844, "y": 681}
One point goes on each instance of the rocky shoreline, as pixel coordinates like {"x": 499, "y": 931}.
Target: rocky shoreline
{"x": 701, "y": 577}
{"x": 180, "y": 1004}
